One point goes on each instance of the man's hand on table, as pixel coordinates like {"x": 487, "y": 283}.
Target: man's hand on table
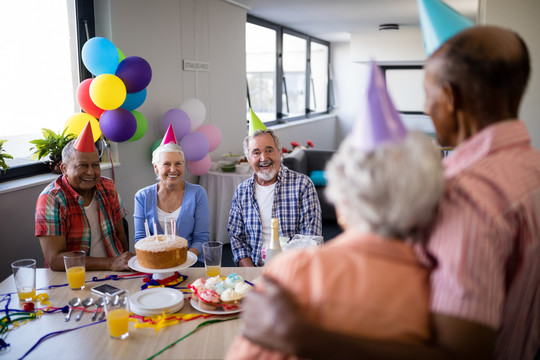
{"x": 120, "y": 263}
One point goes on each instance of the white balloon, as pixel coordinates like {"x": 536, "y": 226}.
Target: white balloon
{"x": 196, "y": 112}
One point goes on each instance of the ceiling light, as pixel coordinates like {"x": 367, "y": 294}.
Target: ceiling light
{"x": 388, "y": 27}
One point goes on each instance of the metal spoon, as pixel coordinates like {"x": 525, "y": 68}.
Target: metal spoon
{"x": 99, "y": 303}
{"x": 86, "y": 303}
{"x": 115, "y": 301}
{"x": 72, "y": 303}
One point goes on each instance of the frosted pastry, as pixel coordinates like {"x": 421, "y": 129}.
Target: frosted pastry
{"x": 208, "y": 299}
{"x": 196, "y": 285}
{"x": 243, "y": 288}
{"x": 230, "y": 299}
{"x": 211, "y": 282}
{"x": 233, "y": 279}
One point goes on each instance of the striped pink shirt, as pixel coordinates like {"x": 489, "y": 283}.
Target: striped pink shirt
{"x": 486, "y": 238}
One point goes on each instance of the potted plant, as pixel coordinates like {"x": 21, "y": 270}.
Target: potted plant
{"x": 4, "y": 156}
{"x": 51, "y": 145}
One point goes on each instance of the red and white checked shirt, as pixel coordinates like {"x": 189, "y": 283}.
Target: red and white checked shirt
{"x": 486, "y": 238}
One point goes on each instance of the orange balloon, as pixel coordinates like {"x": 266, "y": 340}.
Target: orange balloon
{"x": 76, "y": 123}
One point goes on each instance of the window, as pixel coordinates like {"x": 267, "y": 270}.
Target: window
{"x": 39, "y": 53}
{"x": 405, "y": 86}
{"x": 287, "y": 72}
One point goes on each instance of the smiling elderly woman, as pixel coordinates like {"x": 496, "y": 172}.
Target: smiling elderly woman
{"x": 173, "y": 199}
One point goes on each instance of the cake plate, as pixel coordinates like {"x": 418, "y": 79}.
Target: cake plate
{"x": 159, "y": 274}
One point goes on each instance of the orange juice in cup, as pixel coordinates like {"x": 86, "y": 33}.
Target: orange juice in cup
{"x": 117, "y": 322}
{"x": 75, "y": 276}
{"x": 117, "y": 311}
{"x": 75, "y": 262}
{"x": 26, "y": 293}
{"x": 212, "y": 271}
{"x": 24, "y": 275}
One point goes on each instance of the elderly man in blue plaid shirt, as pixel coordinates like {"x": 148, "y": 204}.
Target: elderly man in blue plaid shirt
{"x": 272, "y": 191}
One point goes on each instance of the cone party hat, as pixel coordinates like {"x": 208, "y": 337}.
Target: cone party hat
{"x": 439, "y": 22}
{"x": 255, "y": 123}
{"x": 85, "y": 141}
{"x": 378, "y": 122}
{"x": 169, "y": 136}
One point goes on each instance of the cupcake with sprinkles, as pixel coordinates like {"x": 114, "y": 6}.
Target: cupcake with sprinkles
{"x": 233, "y": 279}
{"x": 230, "y": 299}
{"x": 208, "y": 299}
{"x": 196, "y": 285}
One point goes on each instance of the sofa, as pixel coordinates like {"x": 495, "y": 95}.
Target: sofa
{"x": 308, "y": 161}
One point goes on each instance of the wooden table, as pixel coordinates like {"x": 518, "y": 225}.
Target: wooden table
{"x": 93, "y": 342}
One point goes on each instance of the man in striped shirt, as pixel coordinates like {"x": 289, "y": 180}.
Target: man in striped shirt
{"x": 82, "y": 211}
{"x": 485, "y": 286}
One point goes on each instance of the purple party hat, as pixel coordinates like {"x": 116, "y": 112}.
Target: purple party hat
{"x": 169, "y": 136}
{"x": 378, "y": 122}
{"x": 439, "y": 22}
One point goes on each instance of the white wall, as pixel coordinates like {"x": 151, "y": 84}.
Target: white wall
{"x": 522, "y": 17}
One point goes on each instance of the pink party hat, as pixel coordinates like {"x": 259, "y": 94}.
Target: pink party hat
{"x": 169, "y": 136}
{"x": 378, "y": 121}
{"x": 255, "y": 123}
{"x": 85, "y": 141}
{"x": 439, "y": 22}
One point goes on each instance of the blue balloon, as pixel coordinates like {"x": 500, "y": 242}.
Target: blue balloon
{"x": 134, "y": 100}
{"x": 100, "y": 56}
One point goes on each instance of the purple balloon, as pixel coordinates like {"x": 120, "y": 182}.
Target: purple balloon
{"x": 195, "y": 146}
{"x": 179, "y": 121}
{"x": 213, "y": 135}
{"x": 118, "y": 125}
{"x": 135, "y": 72}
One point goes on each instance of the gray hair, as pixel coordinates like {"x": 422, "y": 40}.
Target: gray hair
{"x": 259, "y": 133}
{"x": 167, "y": 148}
{"x": 68, "y": 152}
{"x": 392, "y": 191}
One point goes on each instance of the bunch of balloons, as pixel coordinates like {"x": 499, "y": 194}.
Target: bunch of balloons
{"x": 119, "y": 87}
{"x": 195, "y": 139}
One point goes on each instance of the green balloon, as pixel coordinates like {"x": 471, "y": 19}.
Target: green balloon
{"x": 142, "y": 126}
{"x": 155, "y": 146}
{"x": 121, "y": 55}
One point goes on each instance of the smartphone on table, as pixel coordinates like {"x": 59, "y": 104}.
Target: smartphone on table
{"x": 107, "y": 289}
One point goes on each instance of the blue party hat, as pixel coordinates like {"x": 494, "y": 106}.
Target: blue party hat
{"x": 439, "y": 22}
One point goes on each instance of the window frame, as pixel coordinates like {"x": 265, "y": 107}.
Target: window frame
{"x": 85, "y": 22}
{"x": 280, "y": 31}
{"x": 384, "y": 68}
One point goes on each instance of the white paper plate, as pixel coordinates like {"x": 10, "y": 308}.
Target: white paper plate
{"x": 156, "y": 300}
{"x": 195, "y": 304}
{"x": 191, "y": 259}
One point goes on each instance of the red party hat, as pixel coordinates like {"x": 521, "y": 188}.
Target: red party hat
{"x": 85, "y": 141}
{"x": 169, "y": 136}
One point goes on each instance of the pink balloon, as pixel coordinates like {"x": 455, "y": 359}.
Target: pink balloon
{"x": 213, "y": 135}
{"x": 200, "y": 167}
{"x": 195, "y": 146}
{"x": 179, "y": 121}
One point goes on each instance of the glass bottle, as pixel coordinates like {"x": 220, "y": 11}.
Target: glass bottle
{"x": 274, "y": 247}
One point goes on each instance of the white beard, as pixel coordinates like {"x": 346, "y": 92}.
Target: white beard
{"x": 266, "y": 175}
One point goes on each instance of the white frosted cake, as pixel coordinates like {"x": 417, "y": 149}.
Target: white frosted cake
{"x": 161, "y": 252}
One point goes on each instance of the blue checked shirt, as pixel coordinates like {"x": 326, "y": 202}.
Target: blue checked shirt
{"x": 296, "y": 205}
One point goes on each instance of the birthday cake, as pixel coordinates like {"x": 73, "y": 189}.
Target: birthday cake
{"x": 161, "y": 251}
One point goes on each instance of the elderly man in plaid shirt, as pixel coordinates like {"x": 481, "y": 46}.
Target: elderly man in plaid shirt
{"x": 272, "y": 191}
{"x": 82, "y": 211}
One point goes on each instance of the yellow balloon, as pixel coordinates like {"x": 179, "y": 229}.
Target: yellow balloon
{"x": 76, "y": 123}
{"x": 108, "y": 91}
